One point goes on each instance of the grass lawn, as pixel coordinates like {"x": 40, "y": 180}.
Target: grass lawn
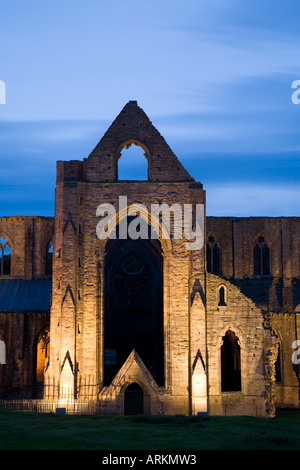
{"x": 35, "y": 431}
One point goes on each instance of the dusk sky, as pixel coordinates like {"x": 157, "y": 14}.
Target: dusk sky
{"x": 215, "y": 78}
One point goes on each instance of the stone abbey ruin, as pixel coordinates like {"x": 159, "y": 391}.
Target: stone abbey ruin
{"x": 142, "y": 324}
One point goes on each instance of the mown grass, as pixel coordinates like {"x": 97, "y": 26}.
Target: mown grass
{"x": 35, "y": 431}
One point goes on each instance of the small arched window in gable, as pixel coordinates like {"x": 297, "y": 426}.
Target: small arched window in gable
{"x": 261, "y": 257}
{"x": 133, "y": 163}
{"x": 222, "y": 296}
{"x": 5, "y": 257}
{"x": 213, "y": 256}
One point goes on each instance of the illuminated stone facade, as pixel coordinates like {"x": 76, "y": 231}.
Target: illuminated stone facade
{"x": 193, "y": 330}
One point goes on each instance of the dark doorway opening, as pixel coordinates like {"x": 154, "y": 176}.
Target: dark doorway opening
{"x": 230, "y": 363}
{"x": 133, "y": 400}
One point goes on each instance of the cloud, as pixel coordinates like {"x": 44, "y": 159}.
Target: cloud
{"x": 32, "y": 150}
{"x": 170, "y": 55}
{"x": 214, "y": 77}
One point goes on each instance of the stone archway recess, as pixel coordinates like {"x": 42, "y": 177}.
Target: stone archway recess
{"x": 133, "y": 399}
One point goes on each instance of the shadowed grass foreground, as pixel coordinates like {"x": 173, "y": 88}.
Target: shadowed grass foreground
{"x": 35, "y": 431}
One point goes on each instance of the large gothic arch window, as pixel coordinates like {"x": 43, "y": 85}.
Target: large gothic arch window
{"x": 230, "y": 363}
{"x": 261, "y": 257}
{"x": 213, "y": 255}
{"x": 133, "y": 307}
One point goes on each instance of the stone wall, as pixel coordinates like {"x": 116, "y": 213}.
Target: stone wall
{"x": 276, "y": 295}
{"x": 24, "y": 303}
{"x": 29, "y": 239}
{"x": 78, "y": 296}
{"x": 241, "y": 316}
{"x": 20, "y": 332}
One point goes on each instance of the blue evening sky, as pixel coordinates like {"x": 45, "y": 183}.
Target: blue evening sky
{"x": 215, "y": 78}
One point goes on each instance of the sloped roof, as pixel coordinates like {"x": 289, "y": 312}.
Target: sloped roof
{"x": 18, "y": 295}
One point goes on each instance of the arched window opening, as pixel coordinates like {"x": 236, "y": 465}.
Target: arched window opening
{"x": 2, "y": 352}
{"x": 261, "y": 257}
{"x": 5, "y": 257}
{"x": 133, "y": 400}
{"x": 133, "y": 316}
{"x": 133, "y": 164}
{"x": 222, "y": 297}
{"x": 49, "y": 259}
{"x": 43, "y": 350}
{"x": 230, "y": 363}
{"x": 213, "y": 255}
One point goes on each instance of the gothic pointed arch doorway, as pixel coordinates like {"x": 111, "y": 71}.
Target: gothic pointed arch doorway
{"x": 133, "y": 400}
{"x": 133, "y": 306}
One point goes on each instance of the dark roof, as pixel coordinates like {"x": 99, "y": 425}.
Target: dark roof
{"x": 17, "y": 295}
